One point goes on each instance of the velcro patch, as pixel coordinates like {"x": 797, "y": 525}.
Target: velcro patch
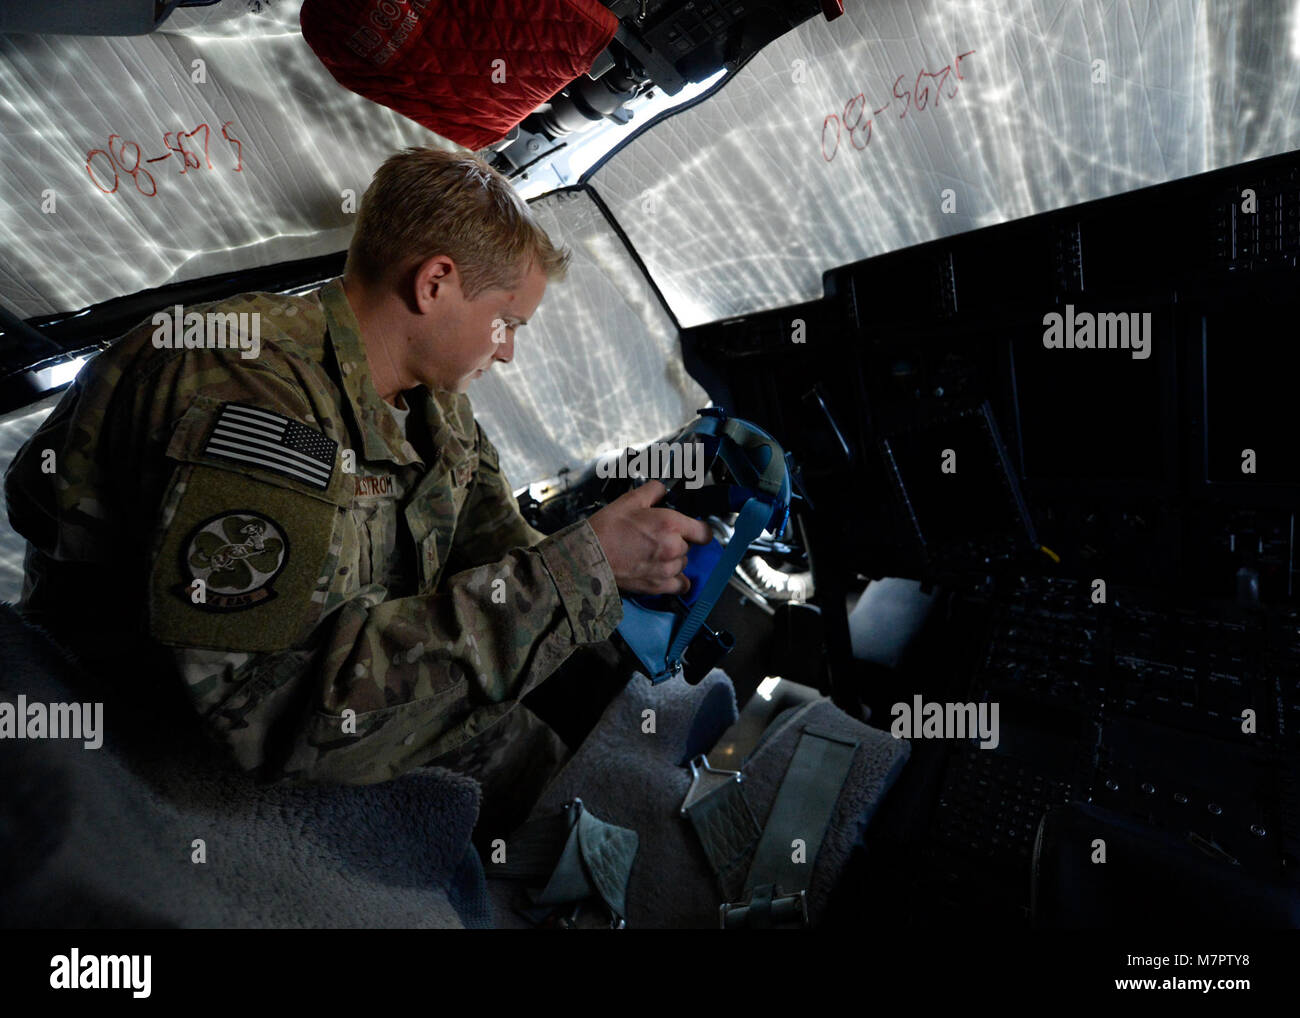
{"x": 233, "y": 559}
{"x": 272, "y": 441}
{"x": 261, "y": 552}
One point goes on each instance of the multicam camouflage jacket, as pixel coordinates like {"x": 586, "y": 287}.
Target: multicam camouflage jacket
{"x": 341, "y": 602}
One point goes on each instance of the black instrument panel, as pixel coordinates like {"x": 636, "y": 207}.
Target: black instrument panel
{"x": 1130, "y": 363}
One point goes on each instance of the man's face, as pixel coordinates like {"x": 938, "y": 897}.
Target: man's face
{"x": 470, "y": 335}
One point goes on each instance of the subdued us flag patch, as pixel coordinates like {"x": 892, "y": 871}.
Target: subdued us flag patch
{"x": 272, "y": 441}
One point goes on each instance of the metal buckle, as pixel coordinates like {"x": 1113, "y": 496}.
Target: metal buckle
{"x": 706, "y": 779}
{"x": 786, "y": 910}
{"x": 570, "y": 922}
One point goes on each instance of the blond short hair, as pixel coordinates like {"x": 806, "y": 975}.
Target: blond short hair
{"x": 425, "y": 202}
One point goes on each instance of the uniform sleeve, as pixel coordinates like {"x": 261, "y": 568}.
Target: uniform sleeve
{"x": 492, "y": 521}
{"x": 381, "y": 686}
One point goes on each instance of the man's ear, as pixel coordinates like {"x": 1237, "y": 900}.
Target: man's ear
{"x": 432, "y": 280}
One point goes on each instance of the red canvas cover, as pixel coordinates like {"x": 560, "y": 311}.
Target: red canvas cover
{"x": 433, "y": 60}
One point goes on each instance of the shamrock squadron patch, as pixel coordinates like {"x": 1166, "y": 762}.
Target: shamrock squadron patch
{"x": 236, "y": 555}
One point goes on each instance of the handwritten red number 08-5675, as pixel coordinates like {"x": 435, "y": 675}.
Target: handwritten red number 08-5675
{"x": 115, "y": 159}
{"x": 918, "y": 97}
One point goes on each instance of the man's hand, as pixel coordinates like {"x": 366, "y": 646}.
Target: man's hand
{"x": 647, "y": 546}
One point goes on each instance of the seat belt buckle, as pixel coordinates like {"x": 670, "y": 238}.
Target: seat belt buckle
{"x": 706, "y": 779}
{"x": 766, "y": 908}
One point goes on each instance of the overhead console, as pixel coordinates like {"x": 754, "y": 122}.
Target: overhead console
{"x": 88, "y": 17}
{"x": 680, "y": 41}
{"x": 659, "y": 44}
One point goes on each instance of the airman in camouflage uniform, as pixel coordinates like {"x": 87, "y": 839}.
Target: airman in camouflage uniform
{"x": 356, "y": 618}
{"x": 235, "y": 497}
